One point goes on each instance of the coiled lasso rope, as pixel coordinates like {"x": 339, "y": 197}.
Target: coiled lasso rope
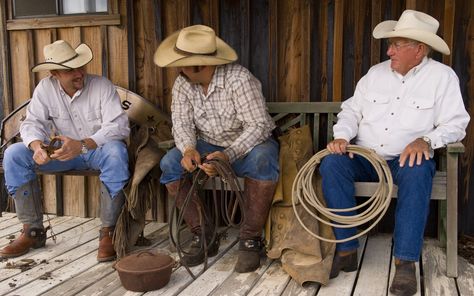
{"x": 377, "y": 204}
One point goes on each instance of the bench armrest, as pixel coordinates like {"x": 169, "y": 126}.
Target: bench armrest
{"x": 457, "y": 147}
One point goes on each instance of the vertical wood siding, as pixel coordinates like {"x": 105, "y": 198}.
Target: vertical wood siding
{"x": 301, "y": 50}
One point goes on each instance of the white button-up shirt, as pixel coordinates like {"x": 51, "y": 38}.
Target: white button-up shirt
{"x": 93, "y": 112}
{"x": 232, "y": 114}
{"x": 388, "y": 111}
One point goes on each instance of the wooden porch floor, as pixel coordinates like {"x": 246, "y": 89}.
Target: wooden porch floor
{"x": 69, "y": 267}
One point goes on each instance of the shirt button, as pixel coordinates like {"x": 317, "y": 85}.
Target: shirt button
{"x": 381, "y": 145}
{"x": 375, "y": 101}
{"x": 398, "y": 98}
{"x": 392, "y": 113}
{"x": 417, "y": 107}
{"x": 386, "y": 129}
{"x": 403, "y": 81}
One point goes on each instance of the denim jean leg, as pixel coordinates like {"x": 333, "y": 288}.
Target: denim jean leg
{"x": 261, "y": 163}
{"x": 112, "y": 161}
{"x": 19, "y": 167}
{"x": 414, "y": 193}
{"x": 338, "y": 177}
{"x": 339, "y": 172}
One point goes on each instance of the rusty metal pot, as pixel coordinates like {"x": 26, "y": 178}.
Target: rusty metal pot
{"x": 145, "y": 270}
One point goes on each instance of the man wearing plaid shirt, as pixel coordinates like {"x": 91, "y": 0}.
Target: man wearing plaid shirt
{"x": 218, "y": 110}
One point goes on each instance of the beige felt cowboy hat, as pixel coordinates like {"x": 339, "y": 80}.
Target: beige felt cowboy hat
{"x": 194, "y": 46}
{"x": 414, "y": 25}
{"x": 60, "y": 55}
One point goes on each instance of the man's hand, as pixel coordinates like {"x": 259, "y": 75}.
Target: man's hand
{"x": 415, "y": 151}
{"x": 39, "y": 154}
{"x": 70, "y": 148}
{"x": 208, "y": 168}
{"x": 338, "y": 146}
{"x": 191, "y": 159}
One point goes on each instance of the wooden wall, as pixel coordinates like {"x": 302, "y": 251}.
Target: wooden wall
{"x": 301, "y": 50}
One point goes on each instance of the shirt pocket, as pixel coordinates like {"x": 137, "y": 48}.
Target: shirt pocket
{"x": 61, "y": 121}
{"x": 417, "y": 114}
{"x": 94, "y": 118}
{"x": 375, "y": 106}
{"x": 228, "y": 118}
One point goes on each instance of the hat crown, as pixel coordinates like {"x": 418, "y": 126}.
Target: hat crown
{"x": 197, "y": 39}
{"x": 411, "y": 19}
{"x": 58, "y": 52}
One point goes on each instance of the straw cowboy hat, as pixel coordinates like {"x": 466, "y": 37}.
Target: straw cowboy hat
{"x": 60, "y": 55}
{"x": 194, "y": 46}
{"x": 413, "y": 25}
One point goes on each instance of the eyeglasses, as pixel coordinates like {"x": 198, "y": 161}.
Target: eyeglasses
{"x": 397, "y": 45}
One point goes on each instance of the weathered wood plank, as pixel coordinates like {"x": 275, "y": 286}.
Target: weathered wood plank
{"x": 375, "y": 269}
{"x": 157, "y": 232}
{"x": 214, "y": 276}
{"x": 345, "y": 281}
{"x": 241, "y": 283}
{"x": 70, "y": 245}
{"x": 180, "y": 278}
{"x": 434, "y": 269}
{"x": 465, "y": 279}
{"x": 308, "y": 289}
{"x": 272, "y": 282}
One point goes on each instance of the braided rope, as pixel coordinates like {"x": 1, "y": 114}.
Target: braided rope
{"x": 305, "y": 194}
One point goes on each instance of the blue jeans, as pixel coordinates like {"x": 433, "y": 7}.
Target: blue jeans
{"x": 339, "y": 172}
{"x": 261, "y": 163}
{"x": 111, "y": 159}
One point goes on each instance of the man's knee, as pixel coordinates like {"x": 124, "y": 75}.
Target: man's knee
{"x": 170, "y": 160}
{"x": 116, "y": 150}
{"x": 417, "y": 172}
{"x": 15, "y": 151}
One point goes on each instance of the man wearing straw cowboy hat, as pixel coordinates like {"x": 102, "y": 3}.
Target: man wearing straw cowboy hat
{"x": 402, "y": 108}
{"x": 84, "y": 113}
{"x": 218, "y": 109}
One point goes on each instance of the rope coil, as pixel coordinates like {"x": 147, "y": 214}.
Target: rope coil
{"x": 305, "y": 195}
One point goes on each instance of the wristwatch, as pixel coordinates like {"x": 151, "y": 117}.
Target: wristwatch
{"x": 428, "y": 141}
{"x": 84, "y": 149}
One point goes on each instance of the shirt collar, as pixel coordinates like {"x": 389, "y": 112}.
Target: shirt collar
{"x": 413, "y": 71}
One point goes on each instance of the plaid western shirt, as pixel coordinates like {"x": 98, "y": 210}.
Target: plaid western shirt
{"x": 232, "y": 114}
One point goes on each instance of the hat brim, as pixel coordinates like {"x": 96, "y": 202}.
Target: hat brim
{"x": 84, "y": 56}
{"x": 386, "y": 30}
{"x": 166, "y": 56}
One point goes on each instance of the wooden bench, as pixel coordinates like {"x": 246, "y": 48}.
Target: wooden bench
{"x": 9, "y": 133}
{"x": 321, "y": 117}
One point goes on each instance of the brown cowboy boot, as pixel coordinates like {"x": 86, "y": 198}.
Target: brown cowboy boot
{"x": 110, "y": 209}
{"x": 404, "y": 281}
{"x": 106, "y": 250}
{"x": 195, "y": 253}
{"x": 258, "y": 197}
{"x": 30, "y": 238}
{"x": 29, "y": 211}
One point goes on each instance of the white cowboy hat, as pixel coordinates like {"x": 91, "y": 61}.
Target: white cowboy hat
{"x": 414, "y": 25}
{"x": 60, "y": 55}
{"x": 194, "y": 46}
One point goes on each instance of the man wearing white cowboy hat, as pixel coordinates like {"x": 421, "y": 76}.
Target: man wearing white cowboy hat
{"x": 402, "y": 108}
{"x": 218, "y": 109}
{"x": 84, "y": 113}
